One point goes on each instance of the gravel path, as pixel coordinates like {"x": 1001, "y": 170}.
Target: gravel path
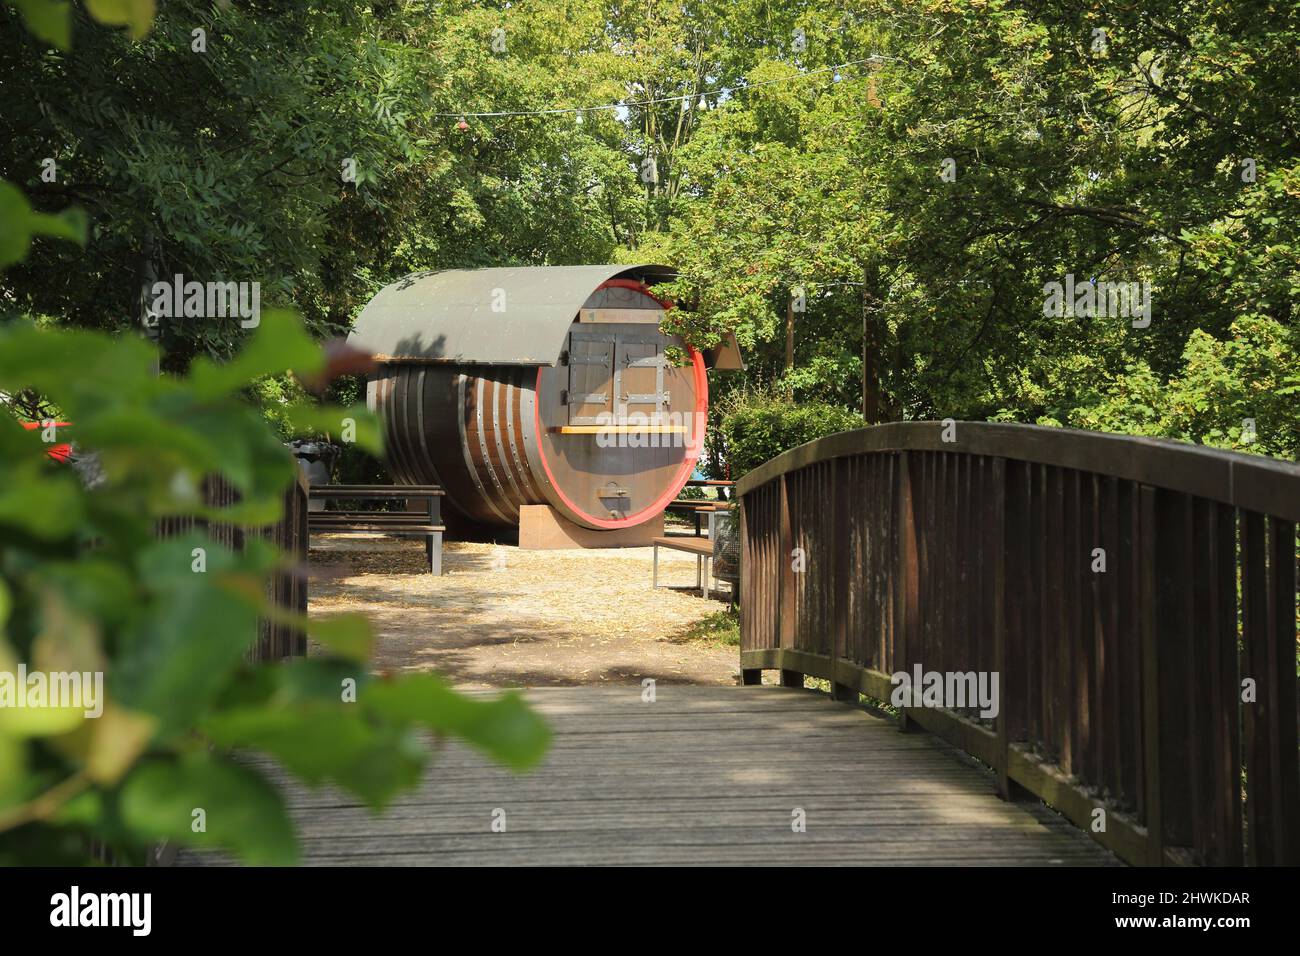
{"x": 503, "y": 617}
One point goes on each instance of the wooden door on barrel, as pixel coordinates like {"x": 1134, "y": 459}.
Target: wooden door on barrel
{"x": 591, "y": 377}
{"x": 639, "y": 378}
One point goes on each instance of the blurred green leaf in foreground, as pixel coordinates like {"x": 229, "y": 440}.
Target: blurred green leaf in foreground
{"x": 87, "y": 586}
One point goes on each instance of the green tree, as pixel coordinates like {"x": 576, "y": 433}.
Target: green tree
{"x": 924, "y": 203}
{"x": 312, "y": 148}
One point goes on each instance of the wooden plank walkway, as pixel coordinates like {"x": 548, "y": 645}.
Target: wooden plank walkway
{"x": 704, "y": 775}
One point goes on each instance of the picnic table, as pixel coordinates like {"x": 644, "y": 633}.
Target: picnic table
{"x": 426, "y": 523}
{"x": 699, "y": 507}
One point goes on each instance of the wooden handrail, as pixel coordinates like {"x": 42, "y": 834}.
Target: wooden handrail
{"x": 1252, "y": 482}
{"x": 1135, "y": 597}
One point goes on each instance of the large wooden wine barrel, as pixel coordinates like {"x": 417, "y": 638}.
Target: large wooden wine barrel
{"x": 543, "y": 385}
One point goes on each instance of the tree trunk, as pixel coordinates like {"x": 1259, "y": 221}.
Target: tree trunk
{"x": 870, "y": 348}
{"x": 789, "y": 340}
{"x": 789, "y": 333}
{"x": 146, "y": 275}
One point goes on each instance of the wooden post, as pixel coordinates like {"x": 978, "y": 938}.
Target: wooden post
{"x": 301, "y": 547}
{"x": 1150, "y": 678}
{"x": 1170, "y": 679}
{"x": 785, "y": 602}
{"x": 908, "y": 576}
{"x": 840, "y": 567}
{"x": 1009, "y": 686}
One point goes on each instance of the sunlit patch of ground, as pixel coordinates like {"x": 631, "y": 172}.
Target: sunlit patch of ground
{"x": 504, "y": 617}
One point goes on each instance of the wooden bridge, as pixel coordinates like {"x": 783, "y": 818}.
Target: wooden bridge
{"x": 1136, "y": 599}
{"x": 701, "y": 775}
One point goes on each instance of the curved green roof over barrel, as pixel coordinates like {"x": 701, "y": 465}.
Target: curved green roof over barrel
{"x": 502, "y": 316}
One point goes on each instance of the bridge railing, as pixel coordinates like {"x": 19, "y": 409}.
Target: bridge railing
{"x": 287, "y": 587}
{"x": 1135, "y": 597}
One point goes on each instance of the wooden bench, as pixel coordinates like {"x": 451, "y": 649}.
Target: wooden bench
{"x": 701, "y": 548}
{"x": 426, "y": 524}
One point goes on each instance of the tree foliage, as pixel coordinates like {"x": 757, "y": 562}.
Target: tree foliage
{"x": 312, "y": 148}
{"x": 1108, "y": 141}
{"x": 917, "y": 169}
{"x": 759, "y": 424}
